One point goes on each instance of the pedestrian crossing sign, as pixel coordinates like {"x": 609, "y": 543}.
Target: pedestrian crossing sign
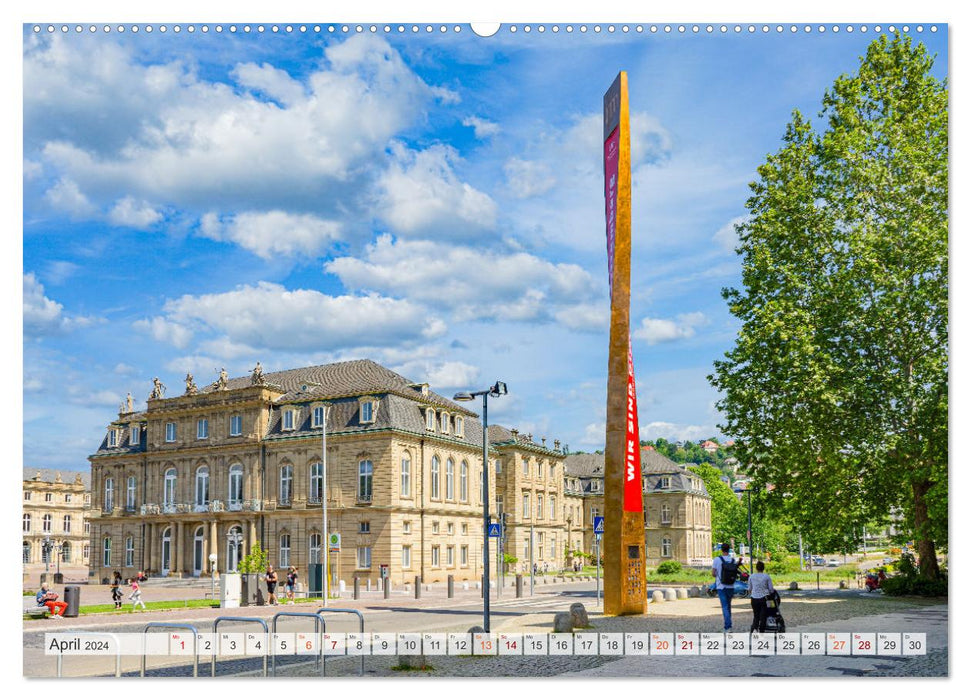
{"x": 598, "y": 525}
{"x": 495, "y": 530}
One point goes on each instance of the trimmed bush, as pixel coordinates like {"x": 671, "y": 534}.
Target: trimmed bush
{"x": 669, "y": 567}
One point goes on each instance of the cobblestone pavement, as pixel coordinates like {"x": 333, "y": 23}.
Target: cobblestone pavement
{"x": 822, "y": 611}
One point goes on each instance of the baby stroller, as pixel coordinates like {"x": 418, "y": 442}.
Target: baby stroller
{"x": 774, "y": 621}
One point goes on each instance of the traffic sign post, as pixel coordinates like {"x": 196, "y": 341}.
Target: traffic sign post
{"x": 495, "y": 530}
{"x": 598, "y": 530}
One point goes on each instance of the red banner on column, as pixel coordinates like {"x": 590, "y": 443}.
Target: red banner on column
{"x": 633, "y": 501}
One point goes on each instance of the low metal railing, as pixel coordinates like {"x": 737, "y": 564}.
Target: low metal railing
{"x": 176, "y": 626}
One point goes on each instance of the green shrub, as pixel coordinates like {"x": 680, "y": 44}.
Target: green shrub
{"x": 908, "y": 581}
{"x": 785, "y": 565}
{"x": 669, "y": 567}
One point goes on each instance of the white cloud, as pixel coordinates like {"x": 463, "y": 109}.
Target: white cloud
{"x": 134, "y": 214}
{"x": 67, "y": 196}
{"x": 474, "y": 283}
{"x": 271, "y": 81}
{"x": 165, "y": 331}
{"x": 677, "y": 431}
{"x": 271, "y": 318}
{"x": 161, "y": 133}
{"x": 273, "y": 232}
{"x": 660, "y": 330}
{"x": 44, "y": 316}
{"x": 726, "y": 236}
{"x": 32, "y": 169}
{"x": 594, "y": 434}
{"x": 528, "y": 178}
{"x": 419, "y": 193}
{"x": 442, "y": 376}
{"x": 483, "y": 128}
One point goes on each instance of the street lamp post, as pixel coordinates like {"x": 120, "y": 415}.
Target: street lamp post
{"x": 46, "y": 550}
{"x": 748, "y": 499}
{"x": 497, "y": 389}
{"x": 212, "y": 574}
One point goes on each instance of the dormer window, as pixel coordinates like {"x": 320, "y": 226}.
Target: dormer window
{"x": 318, "y": 417}
{"x": 288, "y": 418}
{"x": 367, "y": 410}
{"x": 459, "y": 426}
{"x": 444, "y": 423}
{"x": 429, "y": 419}
{"x": 136, "y": 435}
{"x": 665, "y": 482}
{"x": 112, "y": 437}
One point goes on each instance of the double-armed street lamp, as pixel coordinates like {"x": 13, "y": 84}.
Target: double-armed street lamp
{"x": 496, "y": 390}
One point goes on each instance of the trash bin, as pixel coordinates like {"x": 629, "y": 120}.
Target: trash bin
{"x": 72, "y": 596}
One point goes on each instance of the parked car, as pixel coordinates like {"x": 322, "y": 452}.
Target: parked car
{"x": 819, "y": 561}
{"x": 888, "y": 560}
{"x": 741, "y": 589}
{"x": 833, "y": 563}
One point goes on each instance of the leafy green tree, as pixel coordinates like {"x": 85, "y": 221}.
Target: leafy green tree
{"x": 728, "y": 515}
{"x": 836, "y": 390}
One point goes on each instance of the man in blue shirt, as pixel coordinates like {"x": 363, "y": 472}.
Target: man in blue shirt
{"x": 725, "y": 590}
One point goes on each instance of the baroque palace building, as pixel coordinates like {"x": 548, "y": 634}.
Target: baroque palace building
{"x": 677, "y": 507}
{"x": 55, "y": 514}
{"x": 221, "y": 467}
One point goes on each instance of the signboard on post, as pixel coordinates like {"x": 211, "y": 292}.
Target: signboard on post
{"x": 334, "y": 542}
{"x": 598, "y": 524}
{"x": 623, "y": 547}
{"x": 495, "y": 530}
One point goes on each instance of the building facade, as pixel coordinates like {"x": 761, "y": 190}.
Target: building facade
{"x": 677, "y": 507}
{"x": 55, "y": 518}
{"x": 218, "y": 469}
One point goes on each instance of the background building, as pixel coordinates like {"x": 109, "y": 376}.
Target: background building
{"x": 677, "y": 507}
{"x": 55, "y": 520}
{"x": 239, "y": 461}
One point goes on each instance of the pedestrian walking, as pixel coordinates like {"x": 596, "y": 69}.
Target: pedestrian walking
{"x": 271, "y": 581}
{"x": 136, "y": 595}
{"x": 760, "y": 589}
{"x": 725, "y": 570}
{"x": 291, "y": 584}
{"x": 116, "y": 593}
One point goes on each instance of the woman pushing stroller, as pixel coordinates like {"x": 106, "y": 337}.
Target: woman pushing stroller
{"x": 761, "y": 591}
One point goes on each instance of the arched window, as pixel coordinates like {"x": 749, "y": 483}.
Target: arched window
{"x": 236, "y": 487}
{"x": 406, "y": 475}
{"x": 66, "y": 525}
{"x": 464, "y": 481}
{"x": 109, "y": 494}
{"x": 202, "y": 486}
{"x": 26, "y": 522}
{"x": 284, "y": 550}
{"x": 365, "y": 473}
{"x": 168, "y": 495}
{"x": 286, "y": 485}
{"x": 314, "y": 547}
{"x": 435, "y": 477}
{"x": 234, "y": 548}
{"x": 130, "y": 493}
{"x": 450, "y": 479}
{"x": 666, "y": 547}
{"x": 46, "y": 526}
{"x": 316, "y": 482}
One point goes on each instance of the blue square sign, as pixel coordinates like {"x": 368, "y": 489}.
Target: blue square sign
{"x": 495, "y": 530}
{"x": 598, "y": 524}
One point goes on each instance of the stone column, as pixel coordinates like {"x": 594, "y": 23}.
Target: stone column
{"x": 251, "y": 538}
{"x": 175, "y": 548}
{"x": 214, "y": 541}
{"x": 147, "y": 554}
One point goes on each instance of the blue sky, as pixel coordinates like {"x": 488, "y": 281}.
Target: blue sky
{"x": 431, "y": 201}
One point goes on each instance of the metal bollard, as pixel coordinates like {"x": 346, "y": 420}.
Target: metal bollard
{"x": 519, "y": 585}
{"x": 368, "y": 585}
{"x": 451, "y": 586}
{"x": 386, "y": 585}
{"x": 417, "y": 587}
{"x": 357, "y": 588}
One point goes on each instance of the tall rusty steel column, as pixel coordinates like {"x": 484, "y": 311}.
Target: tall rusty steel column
{"x": 625, "y": 590}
